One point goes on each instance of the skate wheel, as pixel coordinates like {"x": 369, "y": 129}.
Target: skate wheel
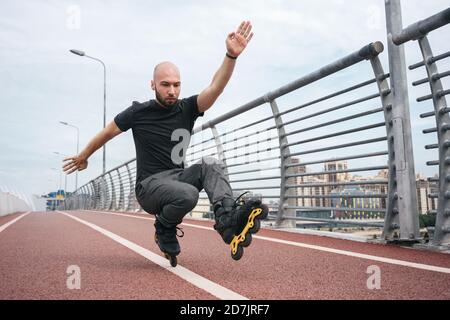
{"x": 264, "y": 213}
{"x": 256, "y": 226}
{"x": 238, "y": 254}
{"x": 247, "y": 241}
{"x": 172, "y": 259}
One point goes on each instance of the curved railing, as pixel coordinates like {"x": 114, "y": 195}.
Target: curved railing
{"x": 11, "y": 202}
{"x": 251, "y": 152}
{"x": 419, "y": 32}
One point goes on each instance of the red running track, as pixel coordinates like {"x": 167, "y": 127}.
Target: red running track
{"x": 118, "y": 259}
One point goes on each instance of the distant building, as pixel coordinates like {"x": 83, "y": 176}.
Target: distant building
{"x": 336, "y": 176}
{"x": 423, "y": 189}
{"x": 310, "y": 196}
{"x": 353, "y": 198}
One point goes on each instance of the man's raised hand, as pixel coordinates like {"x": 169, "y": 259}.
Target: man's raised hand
{"x": 73, "y": 164}
{"x": 237, "y": 41}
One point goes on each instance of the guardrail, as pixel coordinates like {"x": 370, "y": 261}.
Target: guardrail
{"x": 10, "y": 203}
{"x": 419, "y": 32}
{"x": 290, "y": 177}
{"x": 115, "y": 189}
{"x": 335, "y": 157}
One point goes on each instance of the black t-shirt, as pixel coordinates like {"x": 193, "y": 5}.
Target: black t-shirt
{"x": 152, "y": 126}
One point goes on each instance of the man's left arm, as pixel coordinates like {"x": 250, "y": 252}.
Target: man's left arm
{"x": 235, "y": 44}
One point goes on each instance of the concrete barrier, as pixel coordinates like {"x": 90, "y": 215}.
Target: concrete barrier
{"x": 10, "y": 203}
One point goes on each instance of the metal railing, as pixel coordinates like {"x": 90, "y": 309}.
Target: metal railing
{"x": 235, "y": 148}
{"x": 334, "y": 158}
{"x": 288, "y": 177}
{"x": 419, "y": 32}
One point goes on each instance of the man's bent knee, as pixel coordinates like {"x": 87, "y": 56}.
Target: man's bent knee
{"x": 190, "y": 198}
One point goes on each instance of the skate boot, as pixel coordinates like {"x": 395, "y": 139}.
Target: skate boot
{"x": 236, "y": 221}
{"x": 166, "y": 239}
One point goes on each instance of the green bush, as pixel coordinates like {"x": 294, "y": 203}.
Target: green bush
{"x": 427, "y": 220}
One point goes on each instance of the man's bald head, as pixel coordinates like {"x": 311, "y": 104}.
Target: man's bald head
{"x": 165, "y": 68}
{"x": 166, "y": 83}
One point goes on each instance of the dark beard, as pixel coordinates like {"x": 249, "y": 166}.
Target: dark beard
{"x": 162, "y": 101}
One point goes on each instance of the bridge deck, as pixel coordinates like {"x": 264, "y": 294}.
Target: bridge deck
{"x": 119, "y": 260}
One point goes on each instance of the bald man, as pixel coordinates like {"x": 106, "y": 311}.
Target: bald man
{"x": 163, "y": 186}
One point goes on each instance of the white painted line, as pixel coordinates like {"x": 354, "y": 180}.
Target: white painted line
{"x": 320, "y": 248}
{"x": 148, "y": 218}
{"x": 6, "y": 225}
{"x": 360, "y": 255}
{"x": 195, "y": 279}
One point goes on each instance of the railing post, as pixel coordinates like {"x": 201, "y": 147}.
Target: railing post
{"x": 105, "y": 192}
{"x": 130, "y": 194}
{"x": 92, "y": 195}
{"x": 86, "y": 196}
{"x": 285, "y": 158}
{"x": 75, "y": 204}
{"x": 81, "y": 192}
{"x": 404, "y": 160}
{"x": 441, "y": 233}
{"x": 121, "y": 203}
{"x": 77, "y": 196}
{"x": 391, "y": 219}
{"x": 97, "y": 198}
{"x": 113, "y": 193}
{"x": 220, "y": 153}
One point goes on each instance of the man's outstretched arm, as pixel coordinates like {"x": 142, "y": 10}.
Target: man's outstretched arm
{"x": 79, "y": 162}
{"x": 235, "y": 43}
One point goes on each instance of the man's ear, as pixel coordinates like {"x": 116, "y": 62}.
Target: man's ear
{"x": 152, "y": 84}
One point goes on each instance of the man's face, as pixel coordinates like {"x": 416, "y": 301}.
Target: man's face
{"x": 166, "y": 83}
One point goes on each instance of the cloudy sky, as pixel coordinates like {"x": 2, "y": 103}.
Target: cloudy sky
{"x": 42, "y": 83}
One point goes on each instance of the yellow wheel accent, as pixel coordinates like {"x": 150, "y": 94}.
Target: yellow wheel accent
{"x": 241, "y": 237}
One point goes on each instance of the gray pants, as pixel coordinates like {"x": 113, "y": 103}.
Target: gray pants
{"x": 173, "y": 193}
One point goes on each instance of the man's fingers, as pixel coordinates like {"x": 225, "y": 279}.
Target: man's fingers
{"x": 249, "y": 37}
{"x": 67, "y": 159}
{"x": 69, "y": 168}
{"x": 240, "y": 28}
{"x": 247, "y": 29}
{"x": 74, "y": 167}
{"x": 73, "y": 164}
{"x": 73, "y": 170}
{"x": 68, "y": 165}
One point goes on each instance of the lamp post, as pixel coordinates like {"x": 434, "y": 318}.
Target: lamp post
{"x": 83, "y": 54}
{"x": 65, "y": 176}
{"x": 58, "y": 187}
{"x": 52, "y": 202}
{"x": 78, "y": 146}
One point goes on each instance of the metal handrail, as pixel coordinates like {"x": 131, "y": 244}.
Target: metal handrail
{"x": 422, "y": 28}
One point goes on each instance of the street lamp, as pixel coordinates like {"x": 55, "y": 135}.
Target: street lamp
{"x": 65, "y": 176}
{"x": 58, "y": 188}
{"x": 83, "y": 54}
{"x": 78, "y": 146}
